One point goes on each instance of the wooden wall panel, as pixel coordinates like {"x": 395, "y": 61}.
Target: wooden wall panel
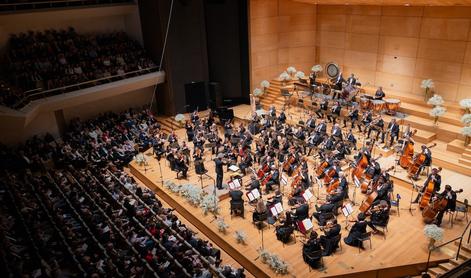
{"x": 400, "y": 26}
{"x": 363, "y": 24}
{"x": 445, "y": 29}
{"x": 452, "y": 51}
{"x": 362, "y": 42}
{"x": 396, "y": 65}
{"x": 398, "y": 46}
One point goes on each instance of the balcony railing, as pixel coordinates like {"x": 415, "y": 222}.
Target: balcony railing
{"x": 38, "y": 93}
{"x": 31, "y": 5}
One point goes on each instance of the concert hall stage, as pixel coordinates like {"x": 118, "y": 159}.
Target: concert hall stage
{"x": 403, "y": 251}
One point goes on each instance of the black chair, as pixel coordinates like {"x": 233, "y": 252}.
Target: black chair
{"x": 237, "y": 209}
{"x": 395, "y": 203}
{"x": 383, "y": 227}
{"x": 463, "y": 208}
{"x": 259, "y": 219}
{"x": 364, "y": 237}
{"x": 338, "y": 241}
{"x": 314, "y": 260}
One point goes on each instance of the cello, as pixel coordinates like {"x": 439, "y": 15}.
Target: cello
{"x": 322, "y": 167}
{"x": 407, "y": 153}
{"x": 333, "y": 185}
{"x": 427, "y": 194}
{"x": 366, "y": 204}
{"x": 418, "y": 162}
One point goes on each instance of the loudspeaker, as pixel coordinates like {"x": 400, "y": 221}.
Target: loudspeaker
{"x": 195, "y": 96}
{"x": 215, "y": 95}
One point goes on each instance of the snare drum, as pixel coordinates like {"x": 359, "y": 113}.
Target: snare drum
{"x": 365, "y": 103}
{"x": 392, "y": 105}
{"x": 378, "y": 105}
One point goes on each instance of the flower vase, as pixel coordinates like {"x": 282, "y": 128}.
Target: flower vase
{"x": 426, "y": 94}
{"x": 264, "y": 90}
{"x": 435, "y": 120}
{"x": 467, "y": 139}
{"x": 431, "y": 244}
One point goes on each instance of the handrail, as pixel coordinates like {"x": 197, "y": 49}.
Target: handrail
{"x": 448, "y": 242}
{"x": 30, "y": 97}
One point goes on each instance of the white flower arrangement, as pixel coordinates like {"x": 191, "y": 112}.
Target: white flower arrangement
{"x": 210, "y": 203}
{"x": 284, "y": 76}
{"x": 179, "y": 117}
{"x": 191, "y": 193}
{"x": 466, "y": 131}
{"x": 222, "y": 226}
{"x": 434, "y": 232}
{"x": 300, "y": 75}
{"x": 257, "y": 92}
{"x": 265, "y": 84}
{"x": 170, "y": 185}
{"x": 240, "y": 236}
{"x": 291, "y": 70}
{"x": 437, "y": 111}
{"x": 466, "y": 119}
{"x": 436, "y": 100}
{"x": 316, "y": 68}
{"x": 466, "y": 103}
{"x": 274, "y": 262}
{"x": 427, "y": 84}
{"x": 141, "y": 159}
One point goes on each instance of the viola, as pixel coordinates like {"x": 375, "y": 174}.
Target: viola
{"x": 418, "y": 162}
{"x": 427, "y": 195}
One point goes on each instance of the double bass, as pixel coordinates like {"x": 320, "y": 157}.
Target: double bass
{"x": 407, "y": 153}
{"x": 360, "y": 166}
{"x": 427, "y": 194}
{"x": 418, "y": 162}
{"x": 430, "y": 212}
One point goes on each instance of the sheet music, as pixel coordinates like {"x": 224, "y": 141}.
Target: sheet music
{"x": 307, "y": 195}
{"x": 279, "y": 207}
{"x": 284, "y": 179}
{"x": 236, "y": 183}
{"x": 356, "y": 182}
{"x": 234, "y": 168}
{"x": 255, "y": 193}
{"x": 307, "y": 224}
{"x": 347, "y": 209}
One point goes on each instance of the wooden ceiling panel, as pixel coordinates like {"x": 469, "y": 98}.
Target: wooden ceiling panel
{"x": 390, "y": 2}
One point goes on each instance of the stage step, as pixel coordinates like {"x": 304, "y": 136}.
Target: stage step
{"x": 423, "y": 111}
{"x": 456, "y": 262}
{"x": 466, "y": 156}
{"x": 465, "y": 161}
{"x": 456, "y": 146}
{"x": 445, "y": 131}
{"x": 436, "y": 271}
{"x": 446, "y": 266}
{"x": 465, "y": 255}
{"x": 464, "y": 246}
{"x": 424, "y": 136}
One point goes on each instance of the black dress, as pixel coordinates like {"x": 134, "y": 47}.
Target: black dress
{"x": 357, "y": 230}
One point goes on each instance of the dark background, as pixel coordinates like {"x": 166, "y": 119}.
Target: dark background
{"x": 207, "y": 41}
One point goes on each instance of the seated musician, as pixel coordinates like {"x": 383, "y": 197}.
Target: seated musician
{"x": 195, "y": 117}
{"x": 379, "y": 215}
{"x": 356, "y": 231}
{"x": 428, "y": 160}
{"x": 328, "y": 240}
{"x": 310, "y": 251}
{"x": 300, "y": 134}
{"x": 198, "y": 159}
{"x": 366, "y": 150}
{"x": 274, "y": 180}
{"x": 246, "y": 161}
{"x": 171, "y": 157}
{"x": 323, "y": 108}
{"x": 393, "y": 131}
{"x": 366, "y": 120}
{"x": 321, "y": 127}
{"x": 437, "y": 182}
{"x": 282, "y": 117}
{"x": 343, "y": 186}
{"x": 351, "y": 139}
{"x": 377, "y": 125}
{"x": 172, "y": 138}
{"x": 237, "y": 202}
{"x": 181, "y": 165}
{"x": 260, "y": 212}
{"x": 311, "y": 122}
{"x": 313, "y": 140}
{"x": 341, "y": 150}
{"x": 254, "y": 184}
{"x": 296, "y": 195}
{"x": 272, "y": 111}
{"x": 379, "y": 95}
{"x": 352, "y": 115}
{"x": 450, "y": 196}
{"x": 277, "y": 198}
{"x": 158, "y": 147}
{"x": 284, "y": 231}
{"x": 352, "y": 80}
{"x": 327, "y": 210}
{"x": 198, "y": 141}
{"x": 301, "y": 211}
{"x": 227, "y": 129}
{"x": 337, "y": 132}
{"x": 335, "y": 112}
{"x": 384, "y": 190}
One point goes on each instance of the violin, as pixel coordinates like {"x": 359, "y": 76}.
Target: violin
{"x": 407, "y": 153}
{"x": 418, "y": 162}
{"x": 427, "y": 195}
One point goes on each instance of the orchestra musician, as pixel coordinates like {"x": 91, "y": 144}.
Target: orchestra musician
{"x": 328, "y": 240}
{"x": 301, "y": 211}
{"x": 437, "y": 182}
{"x": 181, "y": 165}
{"x": 393, "y": 132}
{"x": 274, "y": 179}
{"x": 376, "y": 125}
{"x": 260, "y": 211}
{"x": 428, "y": 160}
{"x": 219, "y": 170}
{"x": 450, "y": 196}
{"x": 310, "y": 251}
{"x": 237, "y": 201}
{"x": 356, "y": 231}
{"x": 367, "y": 117}
{"x": 352, "y": 141}
{"x": 352, "y": 80}
{"x": 352, "y": 115}
{"x": 379, "y": 215}
{"x": 282, "y": 116}
{"x": 254, "y": 184}
{"x": 311, "y": 122}
{"x": 323, "y": 107}
{"x": 335, "y": 112}
{"x": 379, "y": 94}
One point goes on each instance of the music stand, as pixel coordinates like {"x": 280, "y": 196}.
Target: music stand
{"x": 356, "y": 184}
{"x": 347, "y": 210}
{"x": 414, "y": 186}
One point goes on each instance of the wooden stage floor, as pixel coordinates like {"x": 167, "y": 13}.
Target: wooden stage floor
{"x": 405, "y": 244}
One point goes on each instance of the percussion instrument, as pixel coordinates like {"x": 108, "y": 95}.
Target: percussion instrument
{"x": 365, "y": 103}
{"x": 392, "y": 106}
{"x": 378, "y": 105}
{"x": 332, "y": 70}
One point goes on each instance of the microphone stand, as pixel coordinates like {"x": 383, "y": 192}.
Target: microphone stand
{"x": 215, "y": 197}
{"x": 411, "y": 197}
